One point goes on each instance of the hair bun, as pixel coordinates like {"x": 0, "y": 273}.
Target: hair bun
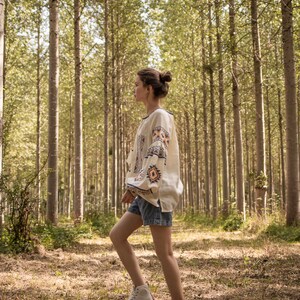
{"x": 165, "y": 76}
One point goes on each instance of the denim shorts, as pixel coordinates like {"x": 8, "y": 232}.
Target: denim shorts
{"x": 151, "y": 215}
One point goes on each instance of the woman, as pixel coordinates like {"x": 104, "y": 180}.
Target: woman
{"x": 153, "y": 185}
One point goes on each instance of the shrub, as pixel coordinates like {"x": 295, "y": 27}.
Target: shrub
{"x": 53, "y": 237}
{"x": 16, "y": 236}
{"x": 101, "y": 223}
{"x": 280, "y": 231}
{"x": 233, "y": 222}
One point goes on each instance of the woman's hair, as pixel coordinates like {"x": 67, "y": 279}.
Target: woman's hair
{"x": 158, "y": 80}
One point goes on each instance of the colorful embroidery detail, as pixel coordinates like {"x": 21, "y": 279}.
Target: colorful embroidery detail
{"x": 153, "y": 174}
{"x": 161, "y": 134}
{"x": 159, "y": 151}
{"x": 140, "y": 176}
{"x": 139, "y": 158}
{"x": 138, "y": 191}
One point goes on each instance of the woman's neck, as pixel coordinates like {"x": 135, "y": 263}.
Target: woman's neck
{"x": 151, "y": 107}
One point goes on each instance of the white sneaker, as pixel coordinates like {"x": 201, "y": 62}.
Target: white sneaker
{"x": 141, "y": 292}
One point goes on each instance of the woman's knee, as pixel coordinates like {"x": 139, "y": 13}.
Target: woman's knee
{"x": 116, "y": 235}
{"x": 113, "y": 235}
{"x": 164, "y": 254}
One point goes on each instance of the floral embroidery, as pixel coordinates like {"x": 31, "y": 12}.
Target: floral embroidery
{"x": 161, "y": 134}
{"x": 140, "y": 176}
{"x": 153, "y": 174}
{"x": 139, "y": 158}
{"x": 136, "y": 190}
{"x": 159, "y": 151}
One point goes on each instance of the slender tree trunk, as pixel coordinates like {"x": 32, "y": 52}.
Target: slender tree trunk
{"x": 280, "y": 125}
{"x": 120, "y": 165}
{"x": 52, "y": 208}
{"x": 248, "y": 187}
{"x": 69, "y": 162}
{"x": 298, "y": 104}
{"x": 205, "y": 122}
{"x": 291, "y": 114}
{"x": 106, "y": 145}
{"x": 189, "y": 164}
{"x": 225, "y": 186}
{"x": 196, "y": 134}
{"x": 2, "y": 22}
{"x": 212, "y": 123}
{"x": 114, "y": 129}
{"x": 230, "y": 146}
{"x": 240, "y": 190}
{"x": 38, "y": 116}
{"x": 78, "y": 197}
{"x": 270, "y": 167}
{"x": 261, "y": 180}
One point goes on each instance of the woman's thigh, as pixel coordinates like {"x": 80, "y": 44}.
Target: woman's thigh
{"x": 128, "y": 223}
{"x": 162, "y": 240}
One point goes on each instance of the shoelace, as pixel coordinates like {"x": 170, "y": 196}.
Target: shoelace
{"x": 134, "y": 294}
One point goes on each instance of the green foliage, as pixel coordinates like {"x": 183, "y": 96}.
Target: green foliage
{"x": 233, "y": 222}
{"x": 100, "y": 222}
{"x": 4, "y": 241}
{"x": 283, "y": 232}
{"x": 200, "y": 220}
{"x": 261, "y": 181}
{"x": 53, "y": 237}
{"x": 16, "y": 235}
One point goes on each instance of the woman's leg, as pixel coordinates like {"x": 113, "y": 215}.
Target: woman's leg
{"x": 163, "y": 247}
{"x": 118, "y": 235}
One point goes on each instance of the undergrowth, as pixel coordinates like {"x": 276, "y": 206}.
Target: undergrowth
{"x": 66, "y": 234}
{"x": 101, "y": 223}
{"x": 62, "y": 236}
{"x": 272, "y": 226}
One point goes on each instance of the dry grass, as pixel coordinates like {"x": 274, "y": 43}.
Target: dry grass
{"x": 214, "y": 265}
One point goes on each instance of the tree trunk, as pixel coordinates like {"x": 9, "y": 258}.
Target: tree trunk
{"x": 261, "y": 180}
{"x": 248, "y": 186}
{"x": 292, "y": 171}
{"x": 106, "y": 145}
{"x": 38, "y": 116}
{"x": 240, "y": 190}
{"x": 189, "y": 165}
{"x": 52, "y": 202}
{"x": 2, "y": 17}
{"x": 205, "y": 122}
{"x": 280, "y": 125}
{"x": 114, "y": 128}
{"x": 214, "y": 174}
{"x": 225, "y": 187}
{"x": 120, "y": 163}
{"x": 196, "y": 135}
{"x": 78, "y": 197}
{"x": 270, "y": 161}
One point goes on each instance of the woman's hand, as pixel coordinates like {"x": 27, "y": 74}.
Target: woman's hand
{"x": 127, "y": 197}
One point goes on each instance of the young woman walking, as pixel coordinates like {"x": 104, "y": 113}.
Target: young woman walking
{"x": 153, "y": 185}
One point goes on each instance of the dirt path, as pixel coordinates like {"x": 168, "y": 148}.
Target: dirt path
{"x": 214, "y": 265}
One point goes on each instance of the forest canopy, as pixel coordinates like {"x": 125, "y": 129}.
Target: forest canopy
{"x": 236, "y": 115}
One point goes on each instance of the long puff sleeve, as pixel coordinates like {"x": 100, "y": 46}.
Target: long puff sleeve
{"x": 147, "y": 181}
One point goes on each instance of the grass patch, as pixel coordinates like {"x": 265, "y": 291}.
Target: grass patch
{"x": 101, "y": 223}
{"x": 200, "y": 221}
{"x": 283, "y": 232}
{"x": 62, "y": 236}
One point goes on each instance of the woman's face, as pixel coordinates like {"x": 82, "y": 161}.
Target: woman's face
{"x": 140, "y": 91}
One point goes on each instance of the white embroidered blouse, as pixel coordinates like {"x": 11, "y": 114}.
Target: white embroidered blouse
{"x": 153, "y": 162}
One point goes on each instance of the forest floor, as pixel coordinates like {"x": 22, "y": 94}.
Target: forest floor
{"x": 213, "y": 264}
